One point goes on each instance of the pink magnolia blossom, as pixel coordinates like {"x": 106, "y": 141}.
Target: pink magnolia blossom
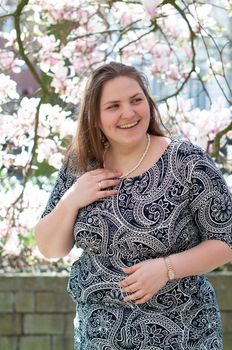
{"x": 199, "y": 17}
{"x": 172, "y": 23}
{"x": 48, "y": 54}
{"x": 22, "y": 159}
{"x": 187, "y": 50}
{"x": 46, "y": 148}
{"x": 229, "y": 182}
{"x": 29, "y": 215}
{"x": 55, "y": 159}
{"x": 150, "y": 6}
{"x": 27, "y": 111}
{"x": 59, "y": 78}
{"x": 9, "y": 38}
{"x": 160, "y": 65}
{"x": 64, "y": 10}
{"x": 7, "y": 89}
{"x": 8, "y": 61}
{"x": 126, "y": 19}
{"x": 200, "y": 126}
{"x": 18, "y": 128}
{"x": 161, "y": 50}
{"x": 13, "y": 244}
{"x": 7, "y": 198}
{"x": 173, "y": 72}
{"x": 53, "y": 117}
{"x": 50, "y": 150}
{"x": 123, "y": 14}
{"x": 6, "y": 127}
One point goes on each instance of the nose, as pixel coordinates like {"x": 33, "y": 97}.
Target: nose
{"x": 127, "y": 111}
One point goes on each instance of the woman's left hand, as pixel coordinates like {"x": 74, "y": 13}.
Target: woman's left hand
{"x": 145, "y": 279}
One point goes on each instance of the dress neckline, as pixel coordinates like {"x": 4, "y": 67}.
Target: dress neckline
{"x": 172, "y": 140}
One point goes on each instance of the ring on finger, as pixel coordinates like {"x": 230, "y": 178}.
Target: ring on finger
{"x": 99, "y": 185}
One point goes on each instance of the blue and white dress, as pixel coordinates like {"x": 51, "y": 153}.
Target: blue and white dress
{"x": 179, "y": 202}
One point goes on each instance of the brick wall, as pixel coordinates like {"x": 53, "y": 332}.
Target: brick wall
{"x": 37, "y": 313}
{"x": 223, "y": 285}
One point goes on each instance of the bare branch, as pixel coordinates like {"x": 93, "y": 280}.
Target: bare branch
{"x": 192, "y": 38}
{"x": 217, "y": 140}
{"x": 27, "y": 168}
{"x": 22, "y": 53}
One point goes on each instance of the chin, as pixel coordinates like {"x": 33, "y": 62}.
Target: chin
{"x": 135, "y": 137}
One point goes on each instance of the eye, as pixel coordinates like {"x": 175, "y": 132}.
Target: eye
{"x": 137, "y": 100}
{"x": 114, "y": 106}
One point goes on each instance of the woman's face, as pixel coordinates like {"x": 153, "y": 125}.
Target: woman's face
{"x": 124, "y": 111}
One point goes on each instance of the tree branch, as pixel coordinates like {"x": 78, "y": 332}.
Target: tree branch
{"x": 217, "y": 140}
{"x": 22, "y": 53}
{"x": 192, "y": 38}
{"x": 30, "y": 163}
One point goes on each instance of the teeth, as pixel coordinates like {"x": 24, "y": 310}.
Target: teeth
{"x": 126, "y": 126}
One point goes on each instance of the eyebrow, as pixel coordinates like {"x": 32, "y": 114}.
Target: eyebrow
{"x": 116, "y": 101}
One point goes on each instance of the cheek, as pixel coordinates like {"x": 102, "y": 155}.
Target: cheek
{"x": 103, "y": 121}
{"x": 145, "y": 111}
{"x": 148, "y": 108}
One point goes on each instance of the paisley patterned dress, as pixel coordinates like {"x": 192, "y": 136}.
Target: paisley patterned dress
{"x": 179, "y": 202}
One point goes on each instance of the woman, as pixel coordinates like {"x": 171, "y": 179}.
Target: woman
{"x": 152, "y": 214}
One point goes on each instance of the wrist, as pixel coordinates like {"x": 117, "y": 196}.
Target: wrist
{"x": 68, "y": 206}
{"x": 171, "y": 274}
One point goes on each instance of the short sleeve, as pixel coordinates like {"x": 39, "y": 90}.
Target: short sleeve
{"x": 63, "y": 182}
{"x": 210, "y": 201}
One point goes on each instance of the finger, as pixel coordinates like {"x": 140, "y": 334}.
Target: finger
{"x": 96, "y": 172}
{"x": 115, "y": 171}
{"x": 131, "y": 269}
{"x": 106, "y": 174}
{"x": 103, "y": 172}
{"x": 139, "y": 295}
{"x": 108, "y": 193}
{"x": 143, "y": 300}
{"x": 130, "y": 289}
{"x": 127, "y": 281}
{"x": 108, "y": 183}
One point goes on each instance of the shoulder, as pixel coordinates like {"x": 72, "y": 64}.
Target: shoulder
{"x": 186, "y": 157}
{"x": 72, "y": 167}
{"x": 187, "y": 148}
{"x": 64, "y": 178}
{"x": 184, "y": 151}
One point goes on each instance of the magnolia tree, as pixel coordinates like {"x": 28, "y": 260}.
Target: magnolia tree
{"x": 182, "y": 46}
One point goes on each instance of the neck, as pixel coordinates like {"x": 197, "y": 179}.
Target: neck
{"x": 125, "y": 159}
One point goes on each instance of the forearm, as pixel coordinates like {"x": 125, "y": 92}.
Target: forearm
{"x": 201, "y": 259}
{"x": 54, "y": 232}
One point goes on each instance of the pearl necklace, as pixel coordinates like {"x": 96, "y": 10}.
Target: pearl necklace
{"x": 139, "y": 162}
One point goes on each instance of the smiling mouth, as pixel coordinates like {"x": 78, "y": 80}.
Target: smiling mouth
{"x": 128, "y": 126}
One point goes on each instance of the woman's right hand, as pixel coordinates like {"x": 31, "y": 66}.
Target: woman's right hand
{"x": 91, "y": 186}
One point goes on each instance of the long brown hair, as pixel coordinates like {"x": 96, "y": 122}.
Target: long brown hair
{"x": 88, "y": 143}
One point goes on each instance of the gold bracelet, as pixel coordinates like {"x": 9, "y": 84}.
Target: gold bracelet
{"x": 170, "y": 269}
